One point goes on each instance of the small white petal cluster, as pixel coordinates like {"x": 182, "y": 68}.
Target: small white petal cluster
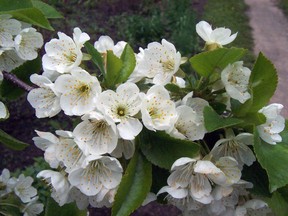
{"x": 193, "y": 179}
{"x": 159, "y": 62}
{"x": 201, "y": 187}
{"x": 20, "y": 188}
{"x": 275, "y": 123}
{"x": 235, "y": 79}
{"x": 18, "y": 43}
{"x": 236, "y": 147}
{"x": 105, "y": 43}
{"x": 3, "y": 111}
{"x": 218, "y": 37}
{"x": 64, "y": 54}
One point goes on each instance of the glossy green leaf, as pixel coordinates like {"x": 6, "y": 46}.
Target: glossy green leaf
{"x": 213, "y": 121}
{"x": 206, "y": 63}
{"x": 278, "y": 203}
{"x": 113, "y": 68}
{"x": 129, "y": 63}
{"x": 23, "y": 72}
{"x": 96, "y": 57}
{"x": 134, "y": 186}
{"x": 163, "y": 150}
{"x": 274, "y": 159}
{"x": 52, "y": 208}
{"x": 30, "y": 15}
{"x": 263, "y": 83}
{"x": 10, "y": 5}
{"x": 12, "y": 207}
{"x": 173, "y": 88}
{"x": 258, "y": 177}
{"x": 48, "y": 11}
{"x": 11, "y": 142}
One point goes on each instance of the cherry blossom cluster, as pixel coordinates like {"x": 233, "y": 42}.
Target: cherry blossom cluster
{"x": 19, "y": 42}
{"x": 85, "y": 162}
{"x": 22, "y": 190}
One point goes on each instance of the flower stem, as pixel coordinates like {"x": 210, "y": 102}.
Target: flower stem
{"x": 9, "y": 204}
{"x": 15, "y": 80}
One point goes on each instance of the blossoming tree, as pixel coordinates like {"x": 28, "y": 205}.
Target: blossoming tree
{"x": 146, "y": 128}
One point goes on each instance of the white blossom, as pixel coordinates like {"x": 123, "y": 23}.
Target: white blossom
{"x": 275, "y": 123}
{"x": 9, "y": 60}
{"x": 24, "y": 189}
{"x": 33, "y": 208}
{"x": 159, "y": 61}
{"x": 59, "y": 183}
{"x": 3, "y": 111}
{"x": 235, "y": 78}
{"x": 7, "y": 183}
{"x": 191, "y": 178}
{"x": 188, "y": 124}
{"x": 158, "y": 111}
{"x": 124, "y": 148}
{"x": 64, "y": 54}
{"x": 253, "y": 207}
{"x": 231, "y": 173}
{"x": 96, "y": 134}
{"x": 47, "y": 142}
{"x": 27, "y": 42}
{"x": 96, "y": 173}
{"x": 105, "y": 43}
{"x": 8, "y": 28}
{"x": 68, "y": 152}
{"x": 196, "y": 126}
{"x": 79, "y": 91}
{"x": 104, "y": 198}
{"x": 122, "y": 106}
{"x": 236, "y": 147}
{"x": 45, "y": 99}
{"x": 217, "y": 37}
{"x": 82, "y": 201}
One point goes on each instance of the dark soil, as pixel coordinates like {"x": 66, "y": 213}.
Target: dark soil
{"x": 92, "y": 18}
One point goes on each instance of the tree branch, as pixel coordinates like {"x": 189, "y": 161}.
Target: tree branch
{"x": 15, "y": 80}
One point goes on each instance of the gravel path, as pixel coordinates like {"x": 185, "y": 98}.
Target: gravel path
{"x": 271, "y": 38}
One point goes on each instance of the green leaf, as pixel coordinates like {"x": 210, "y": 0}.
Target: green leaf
{"x": 48, "y": 11}
{"x": 23, "y": 72}
{"x": 173, "y": 88}
{"x": 214, "y": 122}
{"x": 134, "y": 186}
{"x": 10, "y": 5}
{"x": 68, "y": 209}
{"x": 208, "y": 62}
{"x": 278, "y": 203}
{"x": 274, "y": 159}
{"x": 113, "y": 68}
{"x": 30, "y": 15}
{"x": 12, "y": 142}
{"x": 258, "y": 177}
{"x": 96, "y": 57}
{"x": 163, "y": 150}
{"x": 263, "y": 82}
{"x": 129, "y": 63}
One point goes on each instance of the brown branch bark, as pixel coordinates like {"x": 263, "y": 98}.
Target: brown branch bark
{"x": 15, "y": 80}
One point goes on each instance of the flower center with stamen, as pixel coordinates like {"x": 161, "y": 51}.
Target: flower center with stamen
{"x": 168, "y": 65}
{"x": 71, "y": 57}
{"x": 121, "y": 111}
{"x": 99, "y": 125}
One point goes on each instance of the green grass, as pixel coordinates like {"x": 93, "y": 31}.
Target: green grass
{"x": 170, "y": 19}
{"x": 232, "y": 14}
{"x": 283, "y": 4}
